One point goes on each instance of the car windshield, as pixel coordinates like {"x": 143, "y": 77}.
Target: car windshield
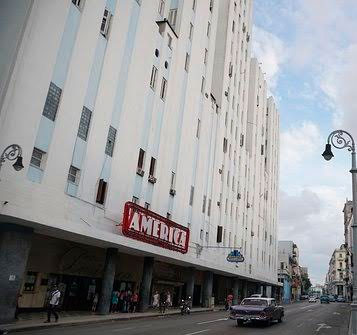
{"x": 254, "y": 302}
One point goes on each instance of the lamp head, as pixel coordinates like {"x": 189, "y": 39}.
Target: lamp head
{"x": 327, "y": 154}
{"x": 18, "y": 164}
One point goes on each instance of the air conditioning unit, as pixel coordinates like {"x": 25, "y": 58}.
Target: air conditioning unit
{"x": 239, "y": 196}
{"x": 248, "y": 205}
{"x": 252, "y": 233}
{"x": 152, "y": 179}
{"x": 218, "y": 203}
{"x": 226, "y": 93}
{"x": 140, "y": 171}
{"x": 172, "y": 192}
{"x": 248, "y": 37}
{"x": 220, "y": 171}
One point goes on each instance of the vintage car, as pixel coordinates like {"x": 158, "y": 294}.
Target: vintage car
{"x": 257, "y": 310}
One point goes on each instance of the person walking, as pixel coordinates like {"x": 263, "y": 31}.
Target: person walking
{"x": 229, "y": 301}
{"x": 163, "y": 298}
{"x": 134, "y": 302}
{"x": 53, "y": 304}
{"x": 95, "y": 302}
{"x": 115, "y": 299}
{"x": 156, "y": 300}
{"x": 168, "y": 299}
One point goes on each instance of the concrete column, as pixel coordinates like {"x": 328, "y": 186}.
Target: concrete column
{"x": 207, "y": 288}
{"x": 108, "y": 281}
{"x": 145, "y": 286}
{"x": 245, "y": 289}
{"x": 235, "y": 288}
{"x": 15, "y": 244}
{"x": 190, "y": 284}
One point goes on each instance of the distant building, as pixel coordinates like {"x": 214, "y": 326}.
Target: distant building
{"x": 289, "y": 271}
{"x": 348, "y": 220}
{"x": 317, "y": 290}
{"x": 335, "y": 279}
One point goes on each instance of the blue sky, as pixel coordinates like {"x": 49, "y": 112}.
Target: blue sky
{"x": 308, "y": 50}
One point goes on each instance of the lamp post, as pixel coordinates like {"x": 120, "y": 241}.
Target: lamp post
{"x": 341, "y": 139}
{"x": 12, "y": 153}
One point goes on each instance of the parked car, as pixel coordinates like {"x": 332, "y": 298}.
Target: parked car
{"x": 256, "y": 296}
{"x": 340, "y": 298}
{"x": 324, "y": 299}
{"x": 260, "y": 310}
{"x": 304, "y": 297}
{"x": 312, "y": 299}
{"x": 331, "y": 298}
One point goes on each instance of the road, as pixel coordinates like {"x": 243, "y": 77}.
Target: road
{"x": 300, "y": 319}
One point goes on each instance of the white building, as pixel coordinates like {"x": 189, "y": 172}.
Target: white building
{"x": 128, "y": 106}
{"x": 337, "y": 272}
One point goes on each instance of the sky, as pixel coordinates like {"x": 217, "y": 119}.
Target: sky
{"x": 308, "y": 50}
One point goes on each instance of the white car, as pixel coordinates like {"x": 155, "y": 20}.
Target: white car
{"x": 312, "y": 299}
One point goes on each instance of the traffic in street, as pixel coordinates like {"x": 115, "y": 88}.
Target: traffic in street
{"x": 300, "y": 318}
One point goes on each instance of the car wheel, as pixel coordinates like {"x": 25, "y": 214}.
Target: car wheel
{"x": 239, "y": 323}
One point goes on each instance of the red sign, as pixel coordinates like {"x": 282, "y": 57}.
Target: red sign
{"x": 144, "y": 225}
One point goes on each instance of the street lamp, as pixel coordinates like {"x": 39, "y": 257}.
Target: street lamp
{"x": 12, "y": 153}
{"x": 341, "y": 139}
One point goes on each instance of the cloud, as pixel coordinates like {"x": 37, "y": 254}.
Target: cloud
{"x": 269, "y": 50}
{"x": 298, "y": 143}
{"x": 312, "y": 218}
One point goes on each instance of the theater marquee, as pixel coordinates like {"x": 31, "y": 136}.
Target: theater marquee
{"x": 144, "y": 225}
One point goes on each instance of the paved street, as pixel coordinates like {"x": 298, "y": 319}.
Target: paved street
{"x": 301, "y": 319}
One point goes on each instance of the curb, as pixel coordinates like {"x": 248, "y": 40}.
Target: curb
{"x": 87, "y": 322}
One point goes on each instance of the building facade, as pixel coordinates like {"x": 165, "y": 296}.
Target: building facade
{"x": 337, "y": 272}
{"x": 153, "y": 104}
{"x": 348, "y": 222}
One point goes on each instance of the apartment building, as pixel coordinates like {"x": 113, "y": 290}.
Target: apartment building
{"x": 150, "y": 150}
{"x": 337, "y": 273}
{"x": 348, "y": 232}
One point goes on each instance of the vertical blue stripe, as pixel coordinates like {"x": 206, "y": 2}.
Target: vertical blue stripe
{"x": 66, "y": 46}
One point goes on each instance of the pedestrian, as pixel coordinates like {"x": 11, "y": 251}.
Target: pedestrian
{"x": 163, "y": 298}
{"x": 121, "y": 301}
{"x": 156, "y": 300}
{"x": 134, "y": 302}
{"x": 229, "y": 301}
{"x": 168, "y": 299}
{"x": 115, "y": 299}
{"x": 53, "y": 304}
{"x": 95, "y": 302}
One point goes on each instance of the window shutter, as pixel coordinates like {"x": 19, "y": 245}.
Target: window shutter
{"x": 219, "y": 234}
{"x": 102, "y": 188}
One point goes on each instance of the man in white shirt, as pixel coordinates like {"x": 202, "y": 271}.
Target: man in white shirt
{"x": 53, "y": 303}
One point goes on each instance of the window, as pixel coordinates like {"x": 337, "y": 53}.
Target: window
{"x": 101, "y": 192}
{"x": 37, "y": 158}
{"x": 84, "y": 123}
{"x": 194, "y": 4}
{"x": 161, "y": 7}
{"x": 204, "y": 204}
{"x": 173, "y": 17}
{"x": 141, "y": 159}
{"x": 169, "y": 41}
{"x": 219, "y": 234}
{"x": 203, "y": 85}
{"x": 241, "y": 140}
{"x": 109, "y": 147}
{"x": 73, "y": 175}
{"x": 163, "y": 89}
{"x": 205, "y": 57}
{"x": 135, "y": 200}
{"x": 190, "y": 36}
{"x": 153, "y": 77}
{"x": 207, "y": 237}
{"x": 168, "y": 215}
{"x": 209, "y": 207}
{"x": 173, "y": 180}
{"x": 198, "y": 128}
{"x": 147, "y": 205}
{"x": 52, "y": 102}
{"x": 191, "y": 195}
{"x": 78, "y": 3}
{"x": 30, "y": 281}
{"x": 225, "y": 145}
{"x": 233, "y": 25}
{"x": 262, "y": 149}
{"x": 104, "y": 27}
{"x": 208, "y": 29}
{"x": 152, "y": 167}
{"x": 201, "y": 234}
{"x": 187, "y": 62}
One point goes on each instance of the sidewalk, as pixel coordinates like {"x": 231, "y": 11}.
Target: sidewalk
{"x": 34, "y": 321}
